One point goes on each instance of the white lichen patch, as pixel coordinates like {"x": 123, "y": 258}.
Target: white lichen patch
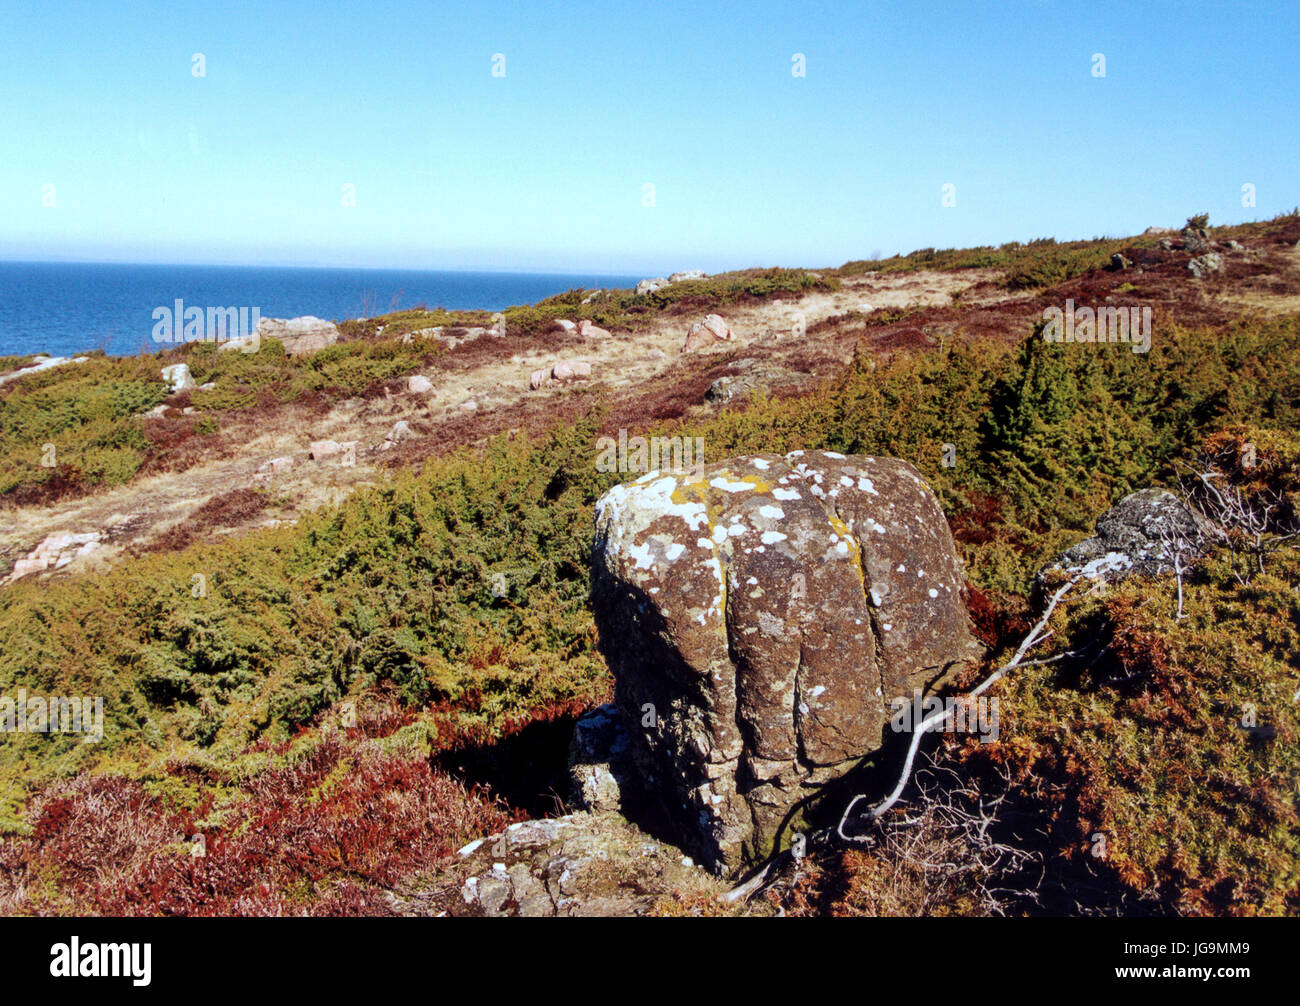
{"x": 640, "y": 555}
{"x": 865, "y": 485}
{"x": 771, "y": 537}
{"x": 771, "y": 512}
{"x": 731, "y": 487}
{"x": 785, "y": 494}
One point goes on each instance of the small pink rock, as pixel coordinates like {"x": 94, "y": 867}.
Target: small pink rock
{"x": 705, "y": 333}
{"x": 25, "y": 566}
{"x": 589, "y": 331}
{"x": 537, "y": 379}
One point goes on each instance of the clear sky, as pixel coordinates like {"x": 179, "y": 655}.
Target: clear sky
{"x": 544, "y": 168}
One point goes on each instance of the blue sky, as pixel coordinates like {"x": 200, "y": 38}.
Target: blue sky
{"x": 543, "y": 168}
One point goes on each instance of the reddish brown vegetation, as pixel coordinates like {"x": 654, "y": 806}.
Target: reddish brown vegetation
{"x": 324, "y": 835}
{"x": 221, "y": 511}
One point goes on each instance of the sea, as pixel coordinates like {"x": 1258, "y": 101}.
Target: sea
{"x": 65, "y": 308}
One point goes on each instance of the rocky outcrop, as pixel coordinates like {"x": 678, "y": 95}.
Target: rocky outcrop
{"x": 689, "y": 274}
{"x": 651, "y": 285}
{"x": 39, "y": 363}
{"x": 299, "y": 336}
{"x": 600, "y": 762}
{"x": 56, "y": 551}
{"x": 1203, "y": 265}
{"x": 1142, "y": 533}
{"x": 758, "y": 618}
{"x": 577, "y": 865}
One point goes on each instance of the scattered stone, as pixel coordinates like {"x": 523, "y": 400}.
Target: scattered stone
{"x": 576, "y": 865}
{"x": 277, "y": 466}
{"x": 766, "y": 612}
{"x": 565, "y": 325}
{"x": 157, "y": 412}
{"x": 299, "y": 336}
{"x": 1118, "y": 261}
{"x": 321, "y": 450}
{"x": 178, "y": 377}
{"x": 593, "y": 295}
{"x": 656, "y": 354}
{"x": 250, "y": 343}
{"x": 689, "y": 274}
{"x": 418, "y": 384}
{"x": 538, "y": 378}
{"x": 571, "y": 370}
{"x": 401, "y": 431}
{"x": 43, "y": 362}
{"x": 1205, "y": 264}
{"x": 1235, "y": 246}
{"x": 1166, "y": 244}
{"x": 704, "y": 334}
{"x": 727, "y": 388}
{"x": 56, "y": 551}
{"x": 588, "y": 330}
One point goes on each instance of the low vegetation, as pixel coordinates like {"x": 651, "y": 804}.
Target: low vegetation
{"x": 362, "y": 665}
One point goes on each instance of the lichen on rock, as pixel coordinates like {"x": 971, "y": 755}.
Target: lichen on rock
{"x": 758, "y": 616}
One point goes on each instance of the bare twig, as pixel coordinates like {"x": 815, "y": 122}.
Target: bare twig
{"x": 1036, "y": 635}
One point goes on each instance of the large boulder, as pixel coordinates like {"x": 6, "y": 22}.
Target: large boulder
{"x": 299, "y": 336}
{"x": 758, "y": 616}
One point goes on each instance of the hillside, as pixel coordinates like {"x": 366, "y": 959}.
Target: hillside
{"x": 339, "y": 673}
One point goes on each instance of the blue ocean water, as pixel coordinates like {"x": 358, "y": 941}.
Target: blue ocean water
{"x": 65, "y": 308}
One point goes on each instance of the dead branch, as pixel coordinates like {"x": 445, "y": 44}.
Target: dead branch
{"x": 1036, "y": 635}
